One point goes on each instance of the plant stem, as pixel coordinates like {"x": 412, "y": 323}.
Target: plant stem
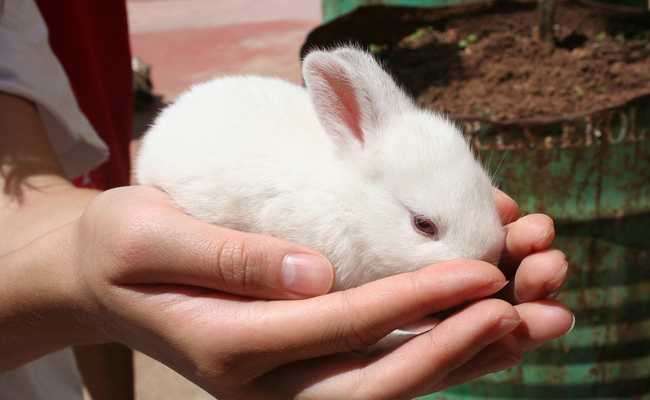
{"x": 546, "y": 19}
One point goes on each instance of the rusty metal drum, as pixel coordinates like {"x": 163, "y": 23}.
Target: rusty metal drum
{"x": 592, "y": 174}
{"x": 621, "y": 6}
{"x": 333, "y": 9}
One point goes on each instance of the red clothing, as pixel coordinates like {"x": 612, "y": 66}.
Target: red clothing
{"x": 90, "y": 39}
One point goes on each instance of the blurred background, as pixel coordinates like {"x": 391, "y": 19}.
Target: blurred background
{"x": 555, "y": 99}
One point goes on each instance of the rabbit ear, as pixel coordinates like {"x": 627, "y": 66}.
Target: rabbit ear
{"x": 351, "y": 93}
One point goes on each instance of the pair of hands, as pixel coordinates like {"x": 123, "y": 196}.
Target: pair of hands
{"x": 187, "y": 294}
{"x": 135, "y": 270}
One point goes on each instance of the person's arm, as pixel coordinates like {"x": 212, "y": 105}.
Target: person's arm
{"x": 37, "y": 198}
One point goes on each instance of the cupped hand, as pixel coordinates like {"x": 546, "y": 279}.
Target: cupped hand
{"x": 159, "y": 239}
{"x": 536, "y": 275}
{"x": 173, "y": 287}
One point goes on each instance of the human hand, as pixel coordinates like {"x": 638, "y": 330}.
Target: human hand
{"x": 536, "y": 275}
{"x": 140, "y": 272}
{"x": 157, "y": 284}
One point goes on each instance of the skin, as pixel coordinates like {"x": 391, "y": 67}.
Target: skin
{"x": 81, "y": 267}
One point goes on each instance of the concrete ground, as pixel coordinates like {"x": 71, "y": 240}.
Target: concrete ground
{"x": 189, "y": 41}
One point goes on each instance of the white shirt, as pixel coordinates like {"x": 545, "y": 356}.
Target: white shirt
{"x": 29, "y": 68}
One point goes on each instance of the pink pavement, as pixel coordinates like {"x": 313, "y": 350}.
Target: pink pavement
{"x": 189, "y": 41}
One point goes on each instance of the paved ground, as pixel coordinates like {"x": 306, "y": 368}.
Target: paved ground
{"x": 189, "y": 41}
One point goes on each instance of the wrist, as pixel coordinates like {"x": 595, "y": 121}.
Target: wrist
{"x": 43, "y": 306}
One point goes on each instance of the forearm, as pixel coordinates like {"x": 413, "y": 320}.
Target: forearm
{"x": 42, "y": 306}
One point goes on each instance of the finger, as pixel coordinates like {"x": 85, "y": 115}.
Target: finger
{"x": 542, "y": 321}
{"x": 508, "y": 209}
{"x": 503, "y": 354}
{"x": 281, "y": 332}
{"x": 431, "y": 357}
{"x": 528, "y": 234}
{"x": 412, "y": 368}
{"x": 161, "y": 245}
{"x": 447, "y": 347}
{"x": 540, "y": 276}
{"x": 359, "y": 317}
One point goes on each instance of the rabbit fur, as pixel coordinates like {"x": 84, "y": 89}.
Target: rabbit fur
{"x": 342, "y": 166}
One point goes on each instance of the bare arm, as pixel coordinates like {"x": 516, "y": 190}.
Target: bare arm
{"x": 37, "y": 198}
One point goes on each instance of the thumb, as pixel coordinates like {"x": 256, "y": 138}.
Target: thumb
{"x": 160, "y": 245}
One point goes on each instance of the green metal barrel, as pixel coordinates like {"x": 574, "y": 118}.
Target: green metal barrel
{"x": 333, "y": 9}
{"x": 591, "y": 173}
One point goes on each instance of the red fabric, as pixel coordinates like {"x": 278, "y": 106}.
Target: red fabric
{"x": 91, "y": 40}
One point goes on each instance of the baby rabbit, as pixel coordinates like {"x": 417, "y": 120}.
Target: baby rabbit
{"x": 349, "y": 166}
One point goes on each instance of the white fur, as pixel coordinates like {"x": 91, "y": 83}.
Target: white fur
{"x": 339, "y": 166}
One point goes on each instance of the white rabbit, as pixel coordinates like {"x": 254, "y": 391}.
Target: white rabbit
{"x": 349, "y": 166}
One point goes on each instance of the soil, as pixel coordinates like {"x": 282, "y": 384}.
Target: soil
{"x": 489, "y": 61}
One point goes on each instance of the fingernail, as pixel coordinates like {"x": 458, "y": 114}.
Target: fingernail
{"x": 500, "y": 329}
{"x": 421, "y": 326}
{"x": 486, "y": 290}
{"x": 554, "y": 286}
{"x": 503, "y": 194}
{"x": 573, "y": 324}
{"x": 544, "y": 236}
{"x": 307, "y": 274}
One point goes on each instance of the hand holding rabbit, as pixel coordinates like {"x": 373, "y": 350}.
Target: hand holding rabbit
{"x": 349, "y": 166}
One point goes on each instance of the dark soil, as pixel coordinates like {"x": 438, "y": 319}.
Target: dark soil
{"x": 490, "y": 61}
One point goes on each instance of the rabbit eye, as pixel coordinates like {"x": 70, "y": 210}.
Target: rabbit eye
{"x": 425, "y": 227}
